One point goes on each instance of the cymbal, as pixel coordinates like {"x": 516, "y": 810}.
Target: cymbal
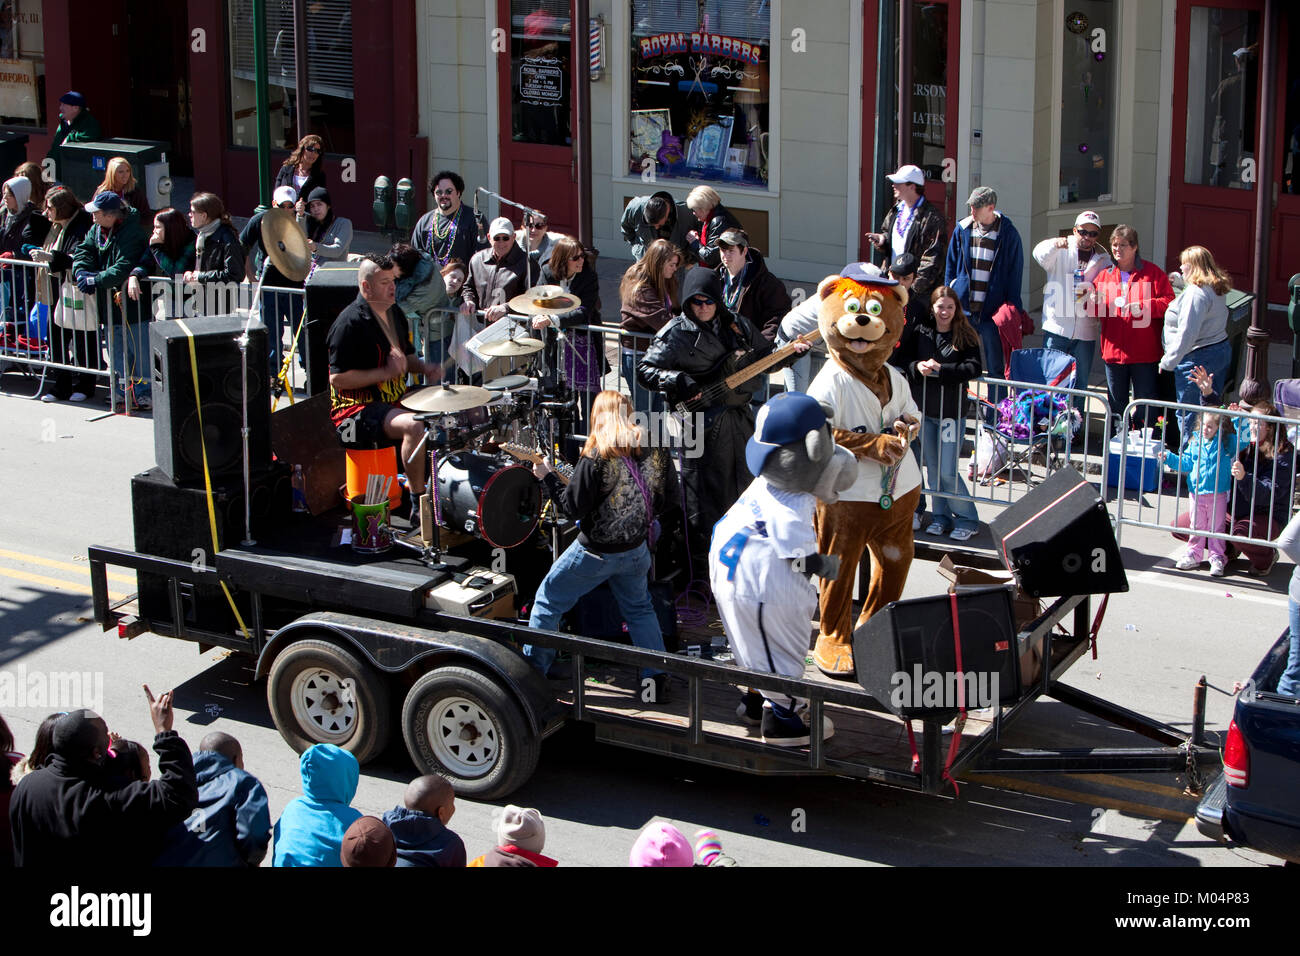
{"x": 544, "y": 300}
{"x": 286, "y": 244}
{"x": 512, "y": 347}
{"x": 446, "y": 398}
{"x": 506, "y": 382}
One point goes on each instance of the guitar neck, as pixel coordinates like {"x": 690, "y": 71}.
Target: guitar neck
{"x": 523, "y": 454}
{"x": 762, "y": 365}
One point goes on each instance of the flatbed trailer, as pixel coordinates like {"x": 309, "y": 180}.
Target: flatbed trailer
{"x": 349, "y": 648}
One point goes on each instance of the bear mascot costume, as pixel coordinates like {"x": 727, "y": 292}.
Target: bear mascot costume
{"x": 861, "y": 317}
{"x": 763, "y": 555}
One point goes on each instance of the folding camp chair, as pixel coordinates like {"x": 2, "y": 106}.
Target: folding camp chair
{"x": 1031, "y": 423}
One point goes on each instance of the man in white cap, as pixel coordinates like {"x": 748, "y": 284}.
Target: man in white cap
{"x": 1071, "y": 263}
{"x": 916, "y": 226}
{"x": 496, "y": 275}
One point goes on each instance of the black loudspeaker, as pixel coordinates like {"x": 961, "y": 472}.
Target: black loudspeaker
{"x": 905, "y": 656}
{"x": 330, "y": 290}
{"x": 178, "y": 440}
{"x": 171, "y": 521}
{"x": 1058, "y": 540}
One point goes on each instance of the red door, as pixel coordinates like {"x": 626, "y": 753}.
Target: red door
{"x": 1216, "y": 122}
{"x": 935, "y": 59}
{"x": 536, "y": 81}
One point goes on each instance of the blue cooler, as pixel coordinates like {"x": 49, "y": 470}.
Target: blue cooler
{"x": 1142, "y": 465}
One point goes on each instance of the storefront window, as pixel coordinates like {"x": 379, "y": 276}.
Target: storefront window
{"x": 541, "y": 36}
{"x": 930, "y": 88}
{"x": 329, "y": 71}
{"x": 700, "y": 90}
{"x": 22, "y": 63}
{"x": 1222, "y": 85}
{"x": 1088, "y": 101}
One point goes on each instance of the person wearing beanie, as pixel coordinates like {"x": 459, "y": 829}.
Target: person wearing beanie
{"x": 22, "y": 229}
{"x": 368, "y": 843}
{"x": 310, "y": 831}
{"x": 661, "y": 844}
{"x": 521, "y": 836}
{"x": 76, "y": 125}
{"x": 328, "y": 236}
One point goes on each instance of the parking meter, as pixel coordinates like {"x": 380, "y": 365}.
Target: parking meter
{"x": 405, "y": 212}
{"x": 381, "y": 207}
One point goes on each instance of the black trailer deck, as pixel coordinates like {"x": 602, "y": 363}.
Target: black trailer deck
{"x": 306, "y": 586}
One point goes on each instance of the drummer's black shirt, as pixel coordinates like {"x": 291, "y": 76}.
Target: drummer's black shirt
{"x": 356, "y": 341}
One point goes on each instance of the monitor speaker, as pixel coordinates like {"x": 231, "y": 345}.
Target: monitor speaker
{"x": 329, "y": 290}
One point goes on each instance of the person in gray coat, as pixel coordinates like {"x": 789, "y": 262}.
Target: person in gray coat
{"x": 658, "y": 216}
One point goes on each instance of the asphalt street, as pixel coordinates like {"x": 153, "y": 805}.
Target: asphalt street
{"x": 66, "y": 471}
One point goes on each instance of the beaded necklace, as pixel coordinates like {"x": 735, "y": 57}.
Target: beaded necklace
{"x": 442, "y": 240}
{"x": 901, "y": 224}
{"x": 102, "y": 238}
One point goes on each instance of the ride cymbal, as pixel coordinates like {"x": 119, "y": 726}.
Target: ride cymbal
{"x": 511, "y": 347}
{"x": 286, "y": 244}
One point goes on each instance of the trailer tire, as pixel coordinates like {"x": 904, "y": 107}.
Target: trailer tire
{"x": 493, "y": 753}
{"x": 307, "y": 690}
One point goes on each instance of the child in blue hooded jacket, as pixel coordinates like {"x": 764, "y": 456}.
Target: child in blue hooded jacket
{"x": 310, "y": 831}
{"x": 1208, "y": 458}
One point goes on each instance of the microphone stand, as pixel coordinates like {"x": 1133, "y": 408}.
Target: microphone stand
{"x": 242, "y": 342}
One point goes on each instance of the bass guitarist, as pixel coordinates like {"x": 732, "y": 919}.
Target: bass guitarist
{"x": 699, "y": 347}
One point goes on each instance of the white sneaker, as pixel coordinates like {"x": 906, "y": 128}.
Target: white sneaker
{"x": 961, "y": 534}
{"x": 936, "y": 528}
{"x": 1187, "y": 564}
{"x": 78, "y": 397}
{"x": 1217, "y": 567}
{"x": 48, "y": 397}
{"x": 916, "y": 521}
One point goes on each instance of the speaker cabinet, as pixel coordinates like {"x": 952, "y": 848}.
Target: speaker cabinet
{"x": 1058, "y": 540}
{"x": 330, "y": 289}
{"x": 179, "y": 440}
{"x": 905, "y": 656}
{"x": 171, "y": 521}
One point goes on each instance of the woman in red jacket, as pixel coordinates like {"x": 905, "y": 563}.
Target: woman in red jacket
{"x": 1130, "y": 298}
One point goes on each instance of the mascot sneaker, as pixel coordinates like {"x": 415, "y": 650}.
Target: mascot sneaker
{"x": 788, "y": 728}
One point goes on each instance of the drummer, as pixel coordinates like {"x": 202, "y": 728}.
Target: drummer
{"x": 371, "y": 354}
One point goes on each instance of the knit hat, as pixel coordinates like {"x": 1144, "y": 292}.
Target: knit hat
{"x": 368, "y": 842}
{"x": 284, "y": 194}
{"x": 321, "y": 193}
{"x": 21, "y": 187}
{"x": 521, "y": 827}
{"x": 501, "y": 225}
{"x": 73, "y": 98}
{"x": 982, "y": 196}
{"x": 785, "y": 418}
{"x": 661, "y": 844}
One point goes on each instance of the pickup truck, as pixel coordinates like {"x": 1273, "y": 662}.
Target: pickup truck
{"x": 1256, "y": 803}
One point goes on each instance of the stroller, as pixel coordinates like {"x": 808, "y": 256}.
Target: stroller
{"x": 1033, "y": 425}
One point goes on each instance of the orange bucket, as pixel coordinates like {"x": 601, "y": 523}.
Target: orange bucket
{"x": 364, "y": 462}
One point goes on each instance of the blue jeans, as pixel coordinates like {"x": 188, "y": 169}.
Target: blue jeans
{"x": 131, "y": 359}
{"x": 1215, "y": 358}
{"x": 1142, "y": 376}
{"x": 643, "y": 400}
{"x": 940, "y": 442}
{"x": 579, "y": 571}
{"x": 1083, "y": 353}
{"x": 1288, "y": 684}
{"x": 995, "y": 365}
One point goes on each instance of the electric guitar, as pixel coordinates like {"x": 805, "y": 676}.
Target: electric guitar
{"x": 563, "y": 470}
{"x": 729, "y": 378}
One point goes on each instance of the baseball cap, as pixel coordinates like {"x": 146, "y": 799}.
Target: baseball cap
{"x": 868, "y": 273}
{"x": 903, "y": 266}
{"x": 1089, "y": 217}
{"x": 785, "y": 418}
{"x": 501, "y": 225}
{"x": 982, "y": 196}
{"x": 284, "y": 194}
{"x": 368, "y": 842}
{"x": 734, "y": 237}
{"x": 521, "y": 827}
{"x": 908, "y": 174}
{"x": 105, "y": 202}
{"x": 661, "y": 844}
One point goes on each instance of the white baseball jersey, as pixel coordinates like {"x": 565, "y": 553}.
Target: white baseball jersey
{"x": 751, "y": 542}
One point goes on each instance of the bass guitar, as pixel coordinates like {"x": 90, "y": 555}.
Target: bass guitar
{"x": 729, "y": 377}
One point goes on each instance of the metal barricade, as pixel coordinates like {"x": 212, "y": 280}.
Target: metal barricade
{"x": 1255, "y": 509}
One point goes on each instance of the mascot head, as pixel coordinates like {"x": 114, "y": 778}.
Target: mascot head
{"x": 862, "y": 315}
{"x": 793, "y": 448}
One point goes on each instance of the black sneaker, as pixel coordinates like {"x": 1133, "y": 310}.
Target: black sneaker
{"x": 782, "y": 728}
{"x": 750, "y": 709}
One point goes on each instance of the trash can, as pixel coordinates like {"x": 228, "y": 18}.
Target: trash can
{"x": 81, "y": 166}
{"x": 13, "y": 151}
{"x": 1239, "y": 304}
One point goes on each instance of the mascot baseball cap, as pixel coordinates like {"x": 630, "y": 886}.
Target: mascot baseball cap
{"x": 786, "y": 418}
{"x": 867, "y": 273}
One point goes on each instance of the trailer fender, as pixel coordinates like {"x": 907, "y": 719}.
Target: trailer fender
{"x": 394, "y": 648}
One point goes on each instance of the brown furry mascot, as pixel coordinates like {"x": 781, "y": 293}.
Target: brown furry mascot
{"x": 861, "y": 318}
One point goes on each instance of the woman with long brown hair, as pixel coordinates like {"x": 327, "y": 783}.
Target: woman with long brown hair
{"x": 617, "y": 490}
{"x": 218, "y": 255}
{"x": 648, "y": 299}
{"x": 304, "y": 170}
{"x": 582, "y": 356}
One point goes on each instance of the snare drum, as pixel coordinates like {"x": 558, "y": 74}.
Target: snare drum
{"x": 497, "y": 502}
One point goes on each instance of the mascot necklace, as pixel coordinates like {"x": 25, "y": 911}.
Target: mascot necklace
{"x": 889, "y": 478}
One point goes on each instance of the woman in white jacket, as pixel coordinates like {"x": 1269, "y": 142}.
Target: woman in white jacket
{"x": 1196, "y": 330}
{"x": 1069, "y": 324}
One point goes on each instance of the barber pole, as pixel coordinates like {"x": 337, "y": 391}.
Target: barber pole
{"x": 596, "y": 48}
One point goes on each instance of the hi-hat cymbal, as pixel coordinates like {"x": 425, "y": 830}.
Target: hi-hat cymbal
{"x": 544, "y": 300}
{"x": 511, "y": 347}
{"x": 286, "y": 244}
{"x": 446, "y": 398}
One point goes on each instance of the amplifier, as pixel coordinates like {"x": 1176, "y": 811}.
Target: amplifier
{"x": 478, "y": 593}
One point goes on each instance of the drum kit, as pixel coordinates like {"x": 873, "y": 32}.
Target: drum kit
{"x": 473, "y": 436}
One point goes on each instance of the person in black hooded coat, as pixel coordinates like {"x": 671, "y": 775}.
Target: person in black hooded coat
{"x": 686, "y": 355}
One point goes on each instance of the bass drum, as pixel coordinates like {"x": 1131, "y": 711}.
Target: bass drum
{"x": 497, "y": 502}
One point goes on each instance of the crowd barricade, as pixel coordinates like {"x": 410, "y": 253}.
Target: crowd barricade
{"x": 1158, "y": 505}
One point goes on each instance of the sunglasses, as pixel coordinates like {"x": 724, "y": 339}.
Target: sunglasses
{"x": 444, "y": 192}
{"x": 700, "y": 300}
{"x": 536, "y": 225}
{"x": 576, "y": 258}
{"x": 1090, "y": 233}
{"x": 502, "y": 238}
{"x": 311, "y": 149}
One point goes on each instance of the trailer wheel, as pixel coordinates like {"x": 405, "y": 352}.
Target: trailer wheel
{"x": 467, "y": 728}
{"x": 319, "y": 693}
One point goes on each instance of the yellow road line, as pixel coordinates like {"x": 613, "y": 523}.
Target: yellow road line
{"x": 65, "y": 565}
{"x": 1073, "y": 796}
{"x": 1145, "y": 786}
{"x": 56, "y": 583}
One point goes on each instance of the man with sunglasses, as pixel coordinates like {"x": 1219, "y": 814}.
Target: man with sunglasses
{"x": 1071, "y": 263}
{"x": 450, "y": 230}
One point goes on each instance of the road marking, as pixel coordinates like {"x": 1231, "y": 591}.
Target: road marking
{"x": 55, "y": 583}
{"x": 1095, "y": 799}
{"x": 1144, "y": 785}
{"x": 65, "y": 565}
{"x": 1163, "y": 580}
